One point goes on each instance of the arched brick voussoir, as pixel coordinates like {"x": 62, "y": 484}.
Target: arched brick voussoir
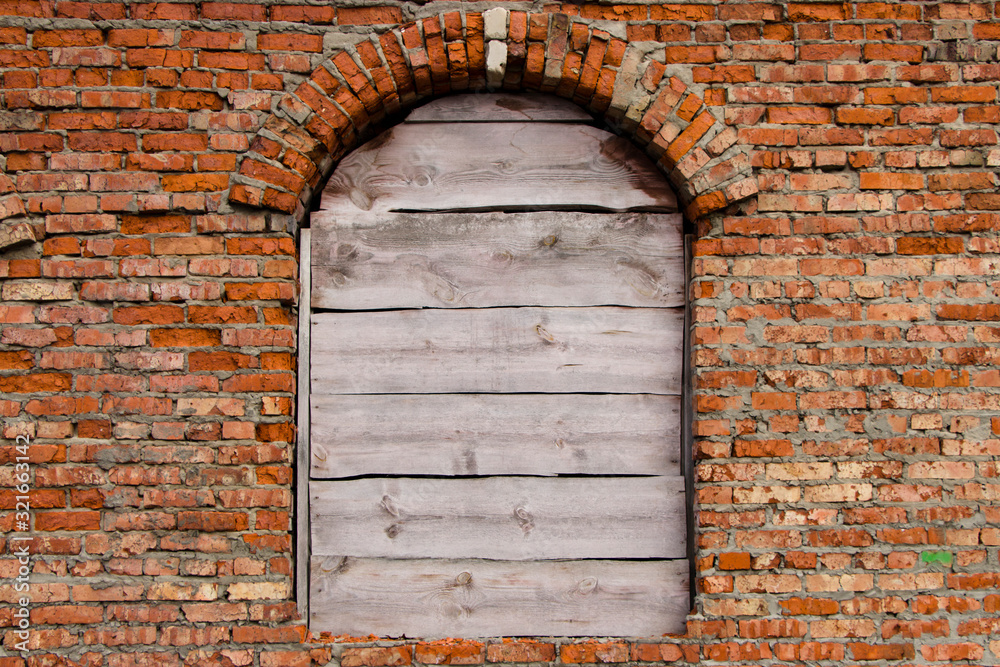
{"x": 364, "y": 88}
{"x": 697, "y": 151}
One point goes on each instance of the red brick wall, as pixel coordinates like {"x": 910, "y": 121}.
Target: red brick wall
{"x": 159, "y": 157}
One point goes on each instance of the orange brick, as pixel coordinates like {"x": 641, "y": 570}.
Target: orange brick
{"x": 609, "y": 652}
{"x": 799, "y": 115}
{"x": 891, "y": 181}
{"x": 899, "y": 52}
{"x": 369, "y": 16}
{"x": 826, "y": 11}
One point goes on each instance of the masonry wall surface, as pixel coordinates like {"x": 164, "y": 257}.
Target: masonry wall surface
{"x": 838, "y": 160}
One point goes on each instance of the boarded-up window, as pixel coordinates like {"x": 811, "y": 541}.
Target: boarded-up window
{"x": 496, "y": 355}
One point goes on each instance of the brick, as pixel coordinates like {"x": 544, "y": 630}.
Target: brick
{"x": 896, "y": 52}
{"x": 79, "y": 520}
{"x": 460, "y": 653}
{"x": 212, "y": 521}
{"x": 818, "y": 11}
{"x": 234, "y": 11}
{"x": 953, "y": 138}
{"x": 191, "y": 101}
{"x": 521, "y": 651}
{"x": 371, "y": 15}
{"x": 964, "y": 94}
{"x": 609, "y": 652}
{"x": 182, "y": 591}
{"x": 194, "y": 182}
{"x": 55, "y": 38}
{"x": 864, "y": 116}
{"x": 290, "y": 42}
{"x": 891, "y": 181}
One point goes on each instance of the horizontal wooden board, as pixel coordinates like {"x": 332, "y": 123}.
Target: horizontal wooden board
{"x": 505, "y": 518}
{"x": 495, "y": 434}
{"x": 456, "y": 260}
{"x": 480, "y": 598}
{"x": 489, "y": 166}
{"x": 498, "y": 107}
{"x": 505, "y": 350}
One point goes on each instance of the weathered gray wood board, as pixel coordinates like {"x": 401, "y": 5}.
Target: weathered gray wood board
{"x": 456, "y": 260}
{"x": 489, "y": 166}
{"x": 494, "y": 434}
{"x": 499, "y": 108}
{"x": 508, "y": 518}
{"x": 482, "y": 598}
{"x": 506, "y": 350}
{"x": 302, "y": 440}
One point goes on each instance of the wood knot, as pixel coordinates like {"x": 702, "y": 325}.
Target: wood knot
{"x": 334, "y": 564}
{"x": 423, "y": 177}
{"x": 587, "y": 586}
{"x": 389, "y": 505}
{"x": 524, "y": 519}
{"x": 444, "y": 292}
{"x": 503, "y": 256}
{"x": 463, "y": 578}
{"x": 393, "y": 530}
{"x": 544, "y": 334}
{"x": 361, "y": 199}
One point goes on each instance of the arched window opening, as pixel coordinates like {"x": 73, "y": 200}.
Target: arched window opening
{"x": 495, "y": 382}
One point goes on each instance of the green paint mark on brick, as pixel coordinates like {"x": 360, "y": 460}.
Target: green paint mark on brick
{"x": 936, "y": 557}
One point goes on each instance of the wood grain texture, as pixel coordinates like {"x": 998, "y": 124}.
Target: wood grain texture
{"x": 495, "y": 434}
{"x": 303, "y": 437}
{"x": 507, "y": 518}
{"x": 480, "y": 598}
{"x": 455, "y": 260}
{"x": 499, "y": 107}
{"x": 491, "y": 166}
{"x": 505, "y": 350}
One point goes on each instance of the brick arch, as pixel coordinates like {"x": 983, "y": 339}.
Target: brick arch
{"x": 362, "y": 89}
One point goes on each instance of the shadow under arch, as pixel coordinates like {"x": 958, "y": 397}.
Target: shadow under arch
{"x": 367, "y": 87}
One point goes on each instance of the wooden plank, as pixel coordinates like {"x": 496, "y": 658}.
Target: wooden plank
{"x": 499, "y": 107}
{"x": 498, "y": 350}
{"x": 495, "y": 434}
{"x": 455, "y": 260}
{"x": 302, "y": 448}
{"x": 485, "y": 598}
{"x": 489, "y": 166}
{"x": 507, "y": 518}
